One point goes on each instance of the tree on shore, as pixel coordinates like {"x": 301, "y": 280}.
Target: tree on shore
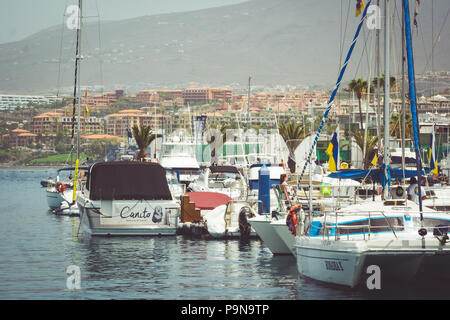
{"x": 143, "y": 137}
{"x": 371, "y": 143}
{"x": 293, "y": 134}
{"x": 358, "y": 86}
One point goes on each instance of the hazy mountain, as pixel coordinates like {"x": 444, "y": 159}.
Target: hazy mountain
{"x": 274, "y": 41}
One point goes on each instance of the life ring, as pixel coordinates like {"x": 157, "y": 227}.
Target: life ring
{"x": 292, "y": 215}
{"x": 60, "y": 187}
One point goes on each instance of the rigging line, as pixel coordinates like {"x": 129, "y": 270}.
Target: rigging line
{"x": 58, "y": 81}
{"x": 100, "y": 48}
{"x": 362, "y": 53}
{"x": 396, "y": 68}
{"x": 338, "y": 83}
{"x": 419, "y": 26}
{"x": 344, "y": 36}
{"x": 435, "y": 42}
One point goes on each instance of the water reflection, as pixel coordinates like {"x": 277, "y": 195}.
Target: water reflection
{"x": 36, "y": 247}
{"x": 182, "y": 268}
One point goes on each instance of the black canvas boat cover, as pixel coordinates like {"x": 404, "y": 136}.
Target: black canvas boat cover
{"x": 216, "y": 169}
{"x": 126, "y": 180}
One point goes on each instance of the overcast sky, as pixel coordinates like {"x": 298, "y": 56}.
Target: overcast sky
{"x": 22, "y": 18}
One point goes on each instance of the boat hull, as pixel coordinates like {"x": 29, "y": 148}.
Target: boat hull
{"x": 96, "y": 223}
{"x": 352, "y": 263}
{"x": 265, "y": 230}
{"x": 282, "y": 230}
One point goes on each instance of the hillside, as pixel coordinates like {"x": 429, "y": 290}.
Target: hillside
{"x": 274, "y": 41}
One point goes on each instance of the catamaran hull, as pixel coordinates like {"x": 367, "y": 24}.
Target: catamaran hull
{"x": 263, "y": 227}
{"x": 353, "y": 265}
{"x": 282, "y": 230}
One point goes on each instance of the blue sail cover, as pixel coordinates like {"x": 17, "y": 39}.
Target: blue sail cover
{"x": 376, "y": 175}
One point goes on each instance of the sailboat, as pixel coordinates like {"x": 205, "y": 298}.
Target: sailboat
{"x": 61, "y": 194}
{"x": 400, "y": 239}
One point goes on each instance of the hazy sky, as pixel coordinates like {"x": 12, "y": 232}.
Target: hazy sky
{"x": 22, "y": 18}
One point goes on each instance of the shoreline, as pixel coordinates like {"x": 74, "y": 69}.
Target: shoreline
{"x": 22, "y": 166}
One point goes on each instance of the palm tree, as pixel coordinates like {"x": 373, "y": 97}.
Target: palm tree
{"x": 143, "y": 137}
{"x": 358, "y": 86}
{"x": 395, "y": 125}
{"x": 371, "y": 142}
{"x": 292, "y": 134}
{"x": 392, "y": 83}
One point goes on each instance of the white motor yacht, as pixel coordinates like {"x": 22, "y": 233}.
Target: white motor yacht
{"x": 180, "y": 156}
{"x": 127, "y": 198}
{"x": 223, "y": 179}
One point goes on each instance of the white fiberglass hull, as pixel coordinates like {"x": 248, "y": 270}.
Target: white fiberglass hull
{"x": 347, "y": 262}
{"x": 283, "y": 232}
{"x": 97, "y": 220}
{"x": 265, "y": 230}
{"x": 61, "y": 203}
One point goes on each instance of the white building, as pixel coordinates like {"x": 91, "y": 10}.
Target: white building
{"x": 12, "y": 101}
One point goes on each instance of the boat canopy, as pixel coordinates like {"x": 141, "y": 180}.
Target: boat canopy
{"x": 125, "y": 180}
{"x": 218, "y": 169}
{"x": 267, "y": 164}
{"x": 377, "y": 175}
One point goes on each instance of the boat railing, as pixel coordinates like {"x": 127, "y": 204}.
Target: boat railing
{"x": 364, "y": 222}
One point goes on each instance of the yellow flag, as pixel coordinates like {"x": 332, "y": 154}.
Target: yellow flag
{"x": 375, "y": 160}
{"x": 86, "y": 112}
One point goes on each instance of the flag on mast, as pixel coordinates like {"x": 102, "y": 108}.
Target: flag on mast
{"x": 375, "y": 160}
{"x": 432, "y": 156}
{"x": 359, "y": 7}
{"x": 86, "y": 111}
{"x": 333, "y": 152}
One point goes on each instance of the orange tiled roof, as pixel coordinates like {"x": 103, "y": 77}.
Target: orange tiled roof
{"x": 27, "y": 134}
{"x": 99, "y": 136}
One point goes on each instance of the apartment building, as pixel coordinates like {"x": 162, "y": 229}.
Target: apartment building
{"x": 12, "y": 101}
{"x": 52, "y": 122}
{"x": 20, "y": 138}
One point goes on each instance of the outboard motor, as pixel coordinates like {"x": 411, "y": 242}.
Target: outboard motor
{"x": 244, "y": 227}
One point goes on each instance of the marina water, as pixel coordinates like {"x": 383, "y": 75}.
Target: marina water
{"x": 37, "y": 248}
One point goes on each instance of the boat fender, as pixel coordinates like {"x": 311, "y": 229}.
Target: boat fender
{"x": 60, "y": 187}
{"x": 292, "y": 219}
{"x": 422, "y": 232}
{"x": 244, "y": 227}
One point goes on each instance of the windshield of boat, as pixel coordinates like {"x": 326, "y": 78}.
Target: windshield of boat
{"x": 171, "y": 177}
{"x": 178, "y": 149}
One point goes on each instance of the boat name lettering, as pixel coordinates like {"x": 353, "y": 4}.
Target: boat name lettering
{"x": 333, "y": 265}
{"x": 127, "y": 213}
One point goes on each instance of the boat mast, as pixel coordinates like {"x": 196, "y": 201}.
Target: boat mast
{"x": 378, "y": 77}
{"x": 386, "y": 94}
{"x": 76, "y": 87}
{"x": 78, "y": 58}
{"x": 412, "y": 98}
{"x": 403, "y": 93}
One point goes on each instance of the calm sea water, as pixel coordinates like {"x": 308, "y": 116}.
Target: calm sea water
{"x": 37, "y": 247}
